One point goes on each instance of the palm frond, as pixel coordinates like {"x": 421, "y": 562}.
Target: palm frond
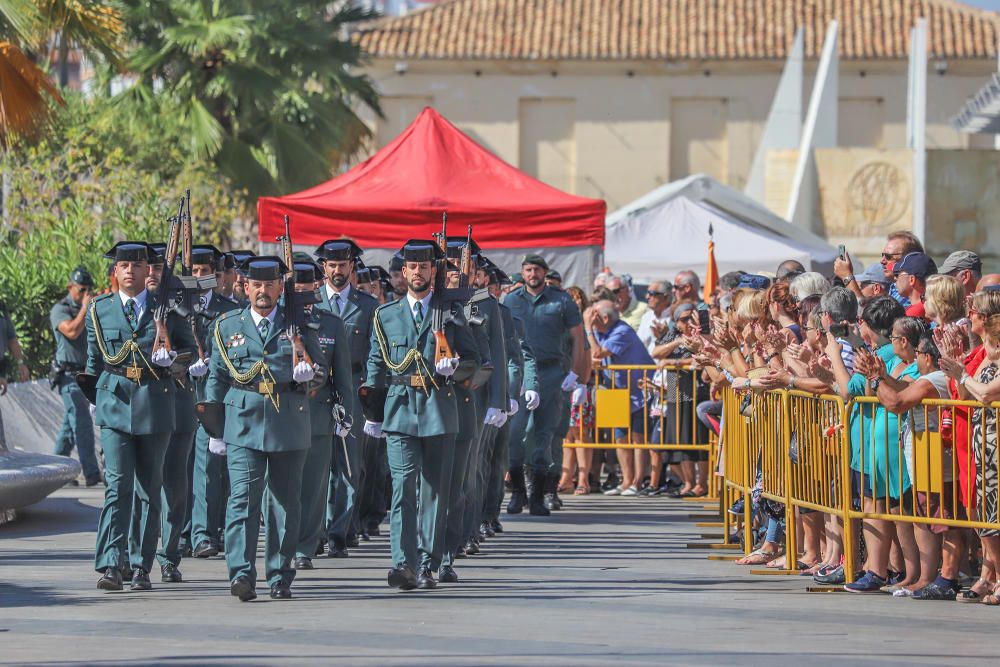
{"x": 25, "y": 95}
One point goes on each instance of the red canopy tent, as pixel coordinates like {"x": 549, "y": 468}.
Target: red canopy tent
{"x": 432, "y": 167}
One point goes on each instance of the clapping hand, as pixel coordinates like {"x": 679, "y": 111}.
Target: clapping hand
{"x": 821, "y": 369}
{"x": 951, "y": 340}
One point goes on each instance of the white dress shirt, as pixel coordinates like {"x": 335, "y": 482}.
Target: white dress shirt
{"x": 424, "y": 303}
{"x": 344, "y": 293}
{"x": 257, "y": 318}
{"x": 140, "y": 302}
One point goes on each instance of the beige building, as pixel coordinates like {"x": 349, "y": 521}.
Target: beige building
{"x": 612, "y": 98}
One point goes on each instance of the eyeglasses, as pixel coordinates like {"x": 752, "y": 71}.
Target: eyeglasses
{"x": 894, "y": 338}
{"x": 893, "y": 255}
{"x": 650, "y": 293}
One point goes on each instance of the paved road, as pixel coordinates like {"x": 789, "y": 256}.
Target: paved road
{"x": 609, "y": 582}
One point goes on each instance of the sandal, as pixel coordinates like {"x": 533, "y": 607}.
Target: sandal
{"x": 759, "y": 557}
{"x": 972, "y": 595}
{"x": 581, "y": 491}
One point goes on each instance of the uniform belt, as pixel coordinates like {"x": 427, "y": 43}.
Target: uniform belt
{"x": 413, "y": 380}
{"x": 263, "y": 387}
{"x": 548, "y": 362}
{"x": 66, "y": 367}
{"x": 133, "y": 373}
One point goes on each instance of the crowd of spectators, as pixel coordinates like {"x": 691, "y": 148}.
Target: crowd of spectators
{"x": 884, "y": 340}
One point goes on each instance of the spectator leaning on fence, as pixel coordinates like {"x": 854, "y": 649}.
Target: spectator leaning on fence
{"x": 614, "y": 342}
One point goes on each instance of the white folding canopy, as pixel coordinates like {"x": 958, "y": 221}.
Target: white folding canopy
{"x": 667, "y": 230}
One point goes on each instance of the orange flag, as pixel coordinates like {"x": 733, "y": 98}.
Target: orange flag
{"x": 711, "y": 271}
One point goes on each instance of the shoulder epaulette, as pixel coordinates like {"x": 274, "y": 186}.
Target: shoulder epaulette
{"x": 102, "y": 297}
{"x": 226, "y": 314}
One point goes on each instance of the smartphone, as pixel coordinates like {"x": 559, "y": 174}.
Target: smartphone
{"x": 842, "y": 251}
{"x": 704, "y": 321}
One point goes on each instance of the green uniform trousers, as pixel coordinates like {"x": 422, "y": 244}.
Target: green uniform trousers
{"x": 251, "y": 472}
{"x": 209, "y": 487}
{"x": 175, "y": 496}
{"x": 415, "y": 523}
{"x": 77, "y": 428}
{"x": 498, "y": 467}
{"x": 315, "y": 489}
{"x": 372, "y": 507}
{"x": 345, "y": 477}
{"x": 455, "y": 500}
{"x": 537, "y": 447}
{"x": 132, "y": 464}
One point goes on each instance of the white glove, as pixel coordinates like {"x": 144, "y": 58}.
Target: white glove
{"x": 492, "y": 417}
{"x": 501, "y": 420}
{"x": 514, "y": 407}
{"x": 531, "y": 399}
{"x": 198, "y": 369}
{"x": 373, "y": 429}
{"x": 217, "y": 446}
{"x": 93, "y": 412}
{"x": 579, "y": 396}
{"x": 446, "y": 367}
{"x": 303, "y": 372}
{"x": 343, "y": 430}
{"x": 569, "y": 381}
{"x": 163, "y": 358}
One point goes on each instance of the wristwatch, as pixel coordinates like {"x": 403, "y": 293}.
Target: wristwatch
{"x": 874, "y": 383}
{"x": 965, "y": 377}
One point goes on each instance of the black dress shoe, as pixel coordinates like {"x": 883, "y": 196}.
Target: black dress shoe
{"x": 471, "y": 548}
{"x": 281, "y": 591}
{"x": 516, "y": 503}
{"x": 93, "y": 481}
{"x": 111, "y": 580}
{"x": 460, "y": 552}
{"x": 140, "y": 580}
{"x": 205, "y": 550}
{"x": 321, "y": 549}
{"x": 496, "y": 525}
{"x": 486, "y": 530}
{"x": 303, "y": 563}
{"x": 169, "y": 574}
{"x": 447, "y": 575}
{"x": 337, "y": 551}
{"x": 127, "y": 573}
{"x": 185, "y": 551}
{"x": 242, "y": 588}
{"x": 353, "y": 541}
{"x": 374, "y": 531}
{"x": 402, "y": 578}
{"x": 365, "y": 537}
{"x": 425, "y": 579}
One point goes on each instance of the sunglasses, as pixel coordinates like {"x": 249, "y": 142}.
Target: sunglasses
{"x": 650, "y": 292}
{"x": 677, "y": 287}
{"x": 886, "y": 255}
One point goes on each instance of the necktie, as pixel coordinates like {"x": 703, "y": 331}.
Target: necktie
{"x": 264, "y": 327}
{"x": 131, "y": 312}
{"x": 336, "y": 304}
{"x": 418, "y": 313}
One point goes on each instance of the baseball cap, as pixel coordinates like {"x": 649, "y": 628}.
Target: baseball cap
{"x": 917, "y": 264}
{"x": 961, "y": 260}
{"x": 873, "y": 274}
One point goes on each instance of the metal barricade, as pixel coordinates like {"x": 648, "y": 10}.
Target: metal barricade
{"x": 646, "y": 407}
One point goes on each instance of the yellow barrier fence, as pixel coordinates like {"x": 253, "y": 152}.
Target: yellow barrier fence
{"x": 640, "y": 407}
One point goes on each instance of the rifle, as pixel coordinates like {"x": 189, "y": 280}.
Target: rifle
{"x": 189, "y": 284}
{"x": 465, "y": 266}
{"x": 442, "y": 350}
{"x": 162, "y": 340}
{"x": 294, "y": 308}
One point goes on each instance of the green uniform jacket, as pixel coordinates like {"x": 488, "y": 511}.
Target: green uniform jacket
{"x": 494, "y": 393}
{"x": 547, "y": 318}
{"x": 515, "y": 358}
{"x": 336, "y": 363}
{"x": 357, "y": 316}
{"x": 251, "y": 419}
{"x": 530, "y": 381}
{"x": 412, "y": 410}
{"x": 67, "y": 351}
{"x": 140, "y": 408}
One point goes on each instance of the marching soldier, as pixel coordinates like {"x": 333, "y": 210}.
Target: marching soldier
{"x": 69, "y": 324}
{"x": 330, "y": 408}
{"x": 420, "y": 412}
{"x": 128, "y": 375}
{"x": 521, "y": 382}
{"x": 549, "y": 316}
{"x": 209, "y": 478}
{"x": 257, "y": 411}
{"x": 339, "y": 260}
{"x": 240, "y": 280}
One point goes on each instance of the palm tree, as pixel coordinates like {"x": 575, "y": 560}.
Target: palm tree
{"x": 264, "y": 87}
{"x": 25, "y": 90}
{"x": 94, "y": 27}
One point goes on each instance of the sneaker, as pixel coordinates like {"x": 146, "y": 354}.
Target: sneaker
{"x": 616, "y": 491}
{"x": 610, "y": 483}
{"x": 893, "y": 577}
{"x": 870, "y": 583}
{"x": 630, "y": 491}
{"x": 737, "y": 508}
{"x": 832, "y": 576}
{"x": 939, "y": 589}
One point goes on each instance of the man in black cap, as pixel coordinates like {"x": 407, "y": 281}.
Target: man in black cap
{"x": 240, "y": 283}
{"x": 69, "y": 325}
{"x": 209, "y": 479}
{"x": 554, "y": 279}
{"x": 339, "y": 258}
{"x": 419, "y": 414}
{"x": 550, "y": 317}
{"x": 128, "y": 376}
{"x": 260, "y": 384}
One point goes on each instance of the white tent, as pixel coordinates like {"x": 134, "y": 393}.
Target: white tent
{"x": 666, "y": 231}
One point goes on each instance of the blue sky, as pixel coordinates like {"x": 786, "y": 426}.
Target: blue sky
{"x": 984, "y": 4}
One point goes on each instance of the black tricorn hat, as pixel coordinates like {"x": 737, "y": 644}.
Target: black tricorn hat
{"x": 307, "y": 272}
{"x": 420, "y": 250}
{"x": 267, "y": 267}
{"x": 207, "y": 253}
{"x": 338, "y": 249}
{"x": 131, "y": 251}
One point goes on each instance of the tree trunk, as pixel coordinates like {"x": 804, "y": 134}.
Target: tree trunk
{"x": 63, "y": 58}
